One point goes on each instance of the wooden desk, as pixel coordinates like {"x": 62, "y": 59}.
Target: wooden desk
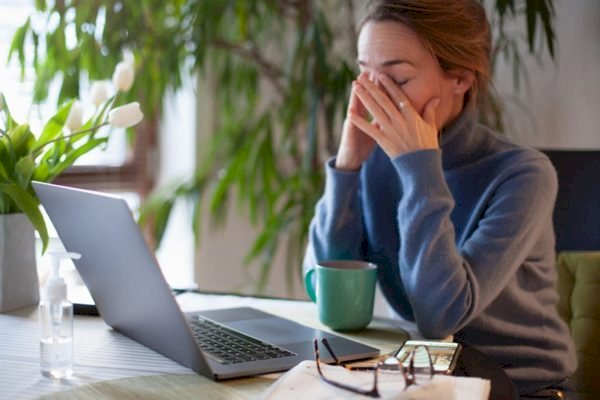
{"x": 142, "y": 373}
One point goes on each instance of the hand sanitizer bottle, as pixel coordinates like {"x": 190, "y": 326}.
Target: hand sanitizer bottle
{"x": 56, "y": 324}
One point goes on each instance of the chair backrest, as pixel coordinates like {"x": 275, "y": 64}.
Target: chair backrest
{"x": 577, "y": 227}
{"x": 578, "y": 286}
{"x": 577, "y": 210}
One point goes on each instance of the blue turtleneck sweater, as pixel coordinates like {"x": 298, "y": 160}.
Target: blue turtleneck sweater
{"x": 464, "y": 241}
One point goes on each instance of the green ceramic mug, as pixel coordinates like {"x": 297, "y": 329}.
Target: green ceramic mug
{"x": 344, "y": 292}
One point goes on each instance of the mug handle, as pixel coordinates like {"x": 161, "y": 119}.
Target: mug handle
{"x": 308, "y": 284}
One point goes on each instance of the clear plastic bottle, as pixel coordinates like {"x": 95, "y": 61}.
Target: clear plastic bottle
{"x": 56, "y": 324}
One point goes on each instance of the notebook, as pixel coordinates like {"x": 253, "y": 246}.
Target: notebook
{"x": 132, "y": 295}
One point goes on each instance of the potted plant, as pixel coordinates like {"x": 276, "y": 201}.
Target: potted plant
{"x": 26, "y": 157}
{"x": 281, "y": 72}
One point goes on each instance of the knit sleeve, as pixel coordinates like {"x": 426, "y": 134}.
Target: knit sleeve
{"x": 449, "y": 286}
{"x": 336, "y": 231}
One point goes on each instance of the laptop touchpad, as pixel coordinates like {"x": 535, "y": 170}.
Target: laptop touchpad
{"x": 273, "y": 330}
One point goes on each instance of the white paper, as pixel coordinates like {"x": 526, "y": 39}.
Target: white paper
{"x": 303, "y": 383}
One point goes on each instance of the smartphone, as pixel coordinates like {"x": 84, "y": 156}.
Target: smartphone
{"x": 85, "y": 309}
{"x": 83, "y": 303}
{"x": 444, "y": 355}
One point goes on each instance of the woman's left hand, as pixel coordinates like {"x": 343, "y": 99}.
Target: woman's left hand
{"x": 399, "y": 129}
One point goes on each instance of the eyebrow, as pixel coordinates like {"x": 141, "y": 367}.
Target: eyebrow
{"x": 388, "y": 63}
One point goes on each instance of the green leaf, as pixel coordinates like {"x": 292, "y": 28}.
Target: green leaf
{"x": 74, "y": 155}
{"x": 259, "y": 245}
{"x": 45, "y": 73}
{"x": 30, "y": 206}
{"x": 161, "y": 220}
{"x": 101, "y": 115}
{"x": 22, "y": 140}
{"x": 70, "y": 84}
{"x": 6, "y": 204}
{"x": 40, "y": 5}
{"x": 42, "y": 171}
{"x": 10, "y": 122}
{"x": 218, "y": 199}
{"x": 547, "y": 17}
{"x": 531, "y": 23}
{"x": 24, "y": 170}
{"x": 18, "y": 45}
{"x": 7, "y": 152}
{"x": 197, "y": 218}
{"x": 55, "y": 125}
{"x": 543, "y": 9}
{"x": 4, "y": 156}
{"x": 156, "y": 209}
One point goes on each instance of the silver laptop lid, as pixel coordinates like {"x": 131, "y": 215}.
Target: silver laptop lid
{"x": 126, "y": 282}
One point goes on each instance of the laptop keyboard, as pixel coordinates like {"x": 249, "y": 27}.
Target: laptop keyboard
{"x": 228, "y": 346}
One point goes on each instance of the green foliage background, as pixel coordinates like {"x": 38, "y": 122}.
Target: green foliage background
{"x": 283, "y": 70}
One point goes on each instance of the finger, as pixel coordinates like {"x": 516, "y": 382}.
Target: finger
{"x": 371, "y": 129}
{"x": 367, "y": 127}
{"x": 381, "y": 97}
{"x": 372, "y": 106}
{"x": 355, "y": 103}
{"x": 400, "y": 100}
{"x": 429, "y": 113}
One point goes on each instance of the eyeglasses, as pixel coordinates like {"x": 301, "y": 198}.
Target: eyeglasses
{"x": 415, "y": 366}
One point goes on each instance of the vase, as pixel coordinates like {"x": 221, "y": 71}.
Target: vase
{"x": 19, "y": 285}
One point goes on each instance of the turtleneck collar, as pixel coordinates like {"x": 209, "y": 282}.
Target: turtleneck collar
{"x": 459, "y": 140}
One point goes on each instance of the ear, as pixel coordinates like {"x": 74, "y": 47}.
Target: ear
{"x": 462, "y": 80}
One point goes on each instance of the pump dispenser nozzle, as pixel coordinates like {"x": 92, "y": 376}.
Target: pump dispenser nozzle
{"x": 56, "y": 288}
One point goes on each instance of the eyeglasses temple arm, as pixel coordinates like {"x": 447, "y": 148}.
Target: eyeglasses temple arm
{"x": 330, "y": 351}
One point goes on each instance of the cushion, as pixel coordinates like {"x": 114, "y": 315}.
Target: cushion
{"x": 579, "y": 306}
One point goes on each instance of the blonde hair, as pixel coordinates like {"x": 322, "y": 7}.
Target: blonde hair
{"x": 456, "y": 32}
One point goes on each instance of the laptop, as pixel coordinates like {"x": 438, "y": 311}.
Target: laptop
{"x": 132, "y": 295}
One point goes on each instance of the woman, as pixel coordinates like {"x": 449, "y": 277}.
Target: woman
{"x": 458, "y": 219}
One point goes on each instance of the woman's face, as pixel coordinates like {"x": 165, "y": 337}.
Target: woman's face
{"x": 392, "y": 49}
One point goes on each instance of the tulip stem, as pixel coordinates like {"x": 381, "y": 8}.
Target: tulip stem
{"x": 78, "y": 133}
{"x": 107, "y": 106}
{"x": 93, "y": 128}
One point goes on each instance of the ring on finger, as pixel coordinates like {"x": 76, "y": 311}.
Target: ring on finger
{"x": 401, "y": 105}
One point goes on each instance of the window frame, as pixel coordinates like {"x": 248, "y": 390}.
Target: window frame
{"x": 136, "y": 174}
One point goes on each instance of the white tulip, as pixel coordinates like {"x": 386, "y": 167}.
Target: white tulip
{"x": 125, "y": 116}
{"x": 123, "y": 76}
{"x": 99, "y": 93}
{"x": 75, "y": 118}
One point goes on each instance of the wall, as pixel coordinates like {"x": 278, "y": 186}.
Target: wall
{"x": 560, "y": 107}
{"x": 220, "y": 252}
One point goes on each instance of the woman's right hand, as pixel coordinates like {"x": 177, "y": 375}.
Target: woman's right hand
{"x": 355, "y": 146}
